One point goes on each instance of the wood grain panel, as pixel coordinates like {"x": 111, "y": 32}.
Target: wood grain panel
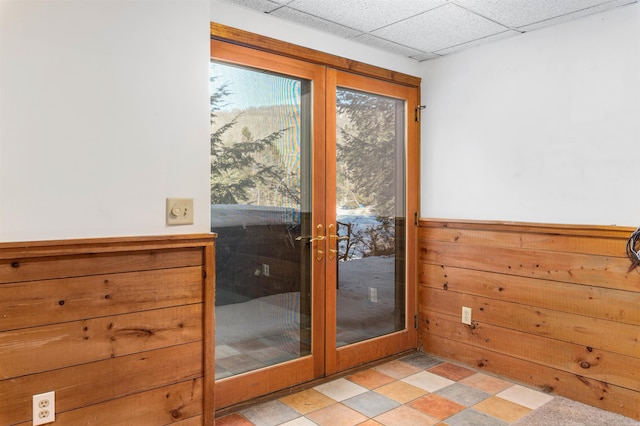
{"x": 554, "y": 306}
{"x": 174, "y": 404}
{"x": 28, "y": 304}
{"x": 547, "y": 379}
{"x": 19, "y": 269}
{"x": 92, "y": 383}
{"x": 92, "y": 246}
{"x": 70, "y": 343}
{"x": 567, "y": 327}
{"x": 192, "y": 421}
{"x": 550, "y": 240}
{"x": 590, "y": 362}
{"x": 601, "y": 271}
{"x": 122, "y": 329}
{"x": 589, "y": 231}
{"x": 614, "y": 305}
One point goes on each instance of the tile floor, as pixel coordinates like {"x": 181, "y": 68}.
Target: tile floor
{"x": 415, "y": 390}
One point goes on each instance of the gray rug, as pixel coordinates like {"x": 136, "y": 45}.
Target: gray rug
{"x": 565, "y": 412}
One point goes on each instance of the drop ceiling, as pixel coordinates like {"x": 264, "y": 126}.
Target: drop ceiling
{"x": 428, "y": 29}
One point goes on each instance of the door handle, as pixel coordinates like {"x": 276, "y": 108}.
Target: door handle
{"x": 334, "y": 238}
{"x": 318, "y": 237}
{"x": 310, "y": 238}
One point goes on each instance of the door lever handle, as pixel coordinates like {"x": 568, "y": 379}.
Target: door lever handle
{"x": 318, "y": 237}
{"x": 334, "y": 237}
{"x": 310, "y": 238}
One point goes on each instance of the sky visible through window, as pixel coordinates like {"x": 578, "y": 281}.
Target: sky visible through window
{"x": 253, "y": 88}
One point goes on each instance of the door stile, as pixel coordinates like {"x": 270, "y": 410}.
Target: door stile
{"x": 330, "y": 212}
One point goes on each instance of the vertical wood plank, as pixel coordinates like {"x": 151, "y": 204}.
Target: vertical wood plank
{"x": 209, "y": 341}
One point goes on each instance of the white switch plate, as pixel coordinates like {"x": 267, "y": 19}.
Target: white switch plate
{"x": 179, "y": 211}
{"x": 44, "y": 408}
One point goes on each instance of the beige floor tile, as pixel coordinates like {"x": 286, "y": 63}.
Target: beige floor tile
{"x": 401, "y": 391}
{"x": 502, "y": 409}
{"x": 307, "y": 401}
{"x": 486, "y": 383}
{"x": 428, "y": 381}
{"x": 336, "y": 415}
{"x": 341, "y": 389}
{"x": 370, "y": 379}
{"x": 403, "y": 416}
{"x": 397, "y": 369}
{"x": 530, "y": 398}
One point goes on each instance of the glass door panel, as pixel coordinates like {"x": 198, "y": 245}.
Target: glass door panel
{"x": 259, "y": 183}
{"x": 262, "y": 207}
{"x": 369, "y": 216}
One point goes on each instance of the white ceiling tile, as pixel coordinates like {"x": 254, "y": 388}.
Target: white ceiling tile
{"x": 387, "y": 45}
{"x": 365, "y": 15}
{"x": 576, "y": 15}
{"x": 259, "y": 5}
{"x": 518, "y": 13}
{"x": 440, "y": 28}
{"x": 477, "y": 42}
{"x": 425, "y": 29}
{"x": 313, "y": 22}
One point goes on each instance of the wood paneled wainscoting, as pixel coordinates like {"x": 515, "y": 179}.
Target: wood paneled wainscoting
{"x": 555, "y": 307}
{"x": 121, "y": 329}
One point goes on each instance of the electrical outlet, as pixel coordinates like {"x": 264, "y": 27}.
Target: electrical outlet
{"x": 466, "y": 315}
{"x": 265, "y": 269}
{"x": 44, "y": 408}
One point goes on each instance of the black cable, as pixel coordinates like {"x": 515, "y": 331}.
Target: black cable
{"x": 633, "y": 249}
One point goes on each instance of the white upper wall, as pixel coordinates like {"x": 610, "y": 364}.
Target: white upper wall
{"x": 104, "y": 113}
{"x": 542, "y": 127}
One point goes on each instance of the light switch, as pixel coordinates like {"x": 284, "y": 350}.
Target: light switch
{"x": 179, "y": 211}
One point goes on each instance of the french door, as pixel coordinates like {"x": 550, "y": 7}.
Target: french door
{"x": 310, "y": 176}
{"x": 370, "y": 279}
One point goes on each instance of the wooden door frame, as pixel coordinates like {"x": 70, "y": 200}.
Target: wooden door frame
{"x": 266, "y": 44}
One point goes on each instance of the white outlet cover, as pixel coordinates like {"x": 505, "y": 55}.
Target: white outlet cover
{"x": 44, "y": 408}
{"x": 466, "y": 315}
